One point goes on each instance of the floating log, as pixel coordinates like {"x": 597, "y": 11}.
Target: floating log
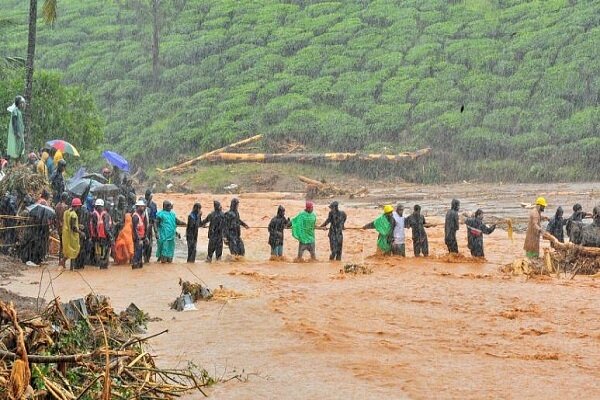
{"x": 588, "y": 251}
{"x": 191, "y": 162}
{"x": 308, "y": 158}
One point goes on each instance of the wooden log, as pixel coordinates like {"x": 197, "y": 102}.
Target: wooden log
{"x": 308, "y": 158}
{"x": 588, "y": 251}
{"x": 311, "y": 181}
{"x": 191, "y": 162}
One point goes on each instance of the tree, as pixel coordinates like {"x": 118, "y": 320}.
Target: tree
{"x": 49, "y": 16}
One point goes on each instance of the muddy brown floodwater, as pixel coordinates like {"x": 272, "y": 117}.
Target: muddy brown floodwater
{"x": 414, "y": 328}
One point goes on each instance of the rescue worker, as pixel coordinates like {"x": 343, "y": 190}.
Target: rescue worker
{"x": 57, "y": 181}
{"x": 191, "y": 231}
{"x": 276, "y": 227}
{"x": 398, "y": 246}
{"x": 475, "y": 231}
{"x": 534, "y": 229}
{"x": 576, "y": 219}
{"x": 303, "y": 230}
{"x": 60, "y": 209}
{"x": 336, "y": 219}
{"x": 166, "y": 230}
{"x": 140, "y": 226}
{"x": 451, "y": 227}
{"x": 151, "y": 210}
{"x": 101, "y": 232}
{"x": 128, "y": 191}
{"x": 556, "y": 225}
{"x": 216, "y": 228}
{"x": 233, "y": 234}
{"x": 71, "y": 233}
{"x": 384, "y": 225}
{"x": 416, "y": 222}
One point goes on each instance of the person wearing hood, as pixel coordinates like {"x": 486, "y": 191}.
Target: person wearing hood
{"x": 151, "y": 211}
{"x": 16, "y": 129}
{"x": 71, "y": 234}
{"x": 384, "y": 225}
{"x": 336, "y": 219}
{"x": 233, "y": 234}
{"x": 57, "y": 181}
{"x": 191, "y": 231}
{"x": 416, "y": 221}
{"x": 34, "y": 245}
{"x": 451, "y": 227}
{"x": 166, "y": 230}
{"x": 556, "y": 225}
{"x": 140, "y": 227}
{"x": 124, "y": 249}
{"x": 303, "y": 230}
{"x": 276, "y": 226}
{"x": 216, "y": 229}
{"x": 534, "y": 229}
{"x": 41, "y": 168}
{"x": 60, "y": 209}
{"x": 475, "y": 231}
{"x": 118, "y": 215}
{"x": 576, "y": 219}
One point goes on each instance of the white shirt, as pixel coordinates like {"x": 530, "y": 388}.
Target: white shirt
{"x": 398, "y": 229}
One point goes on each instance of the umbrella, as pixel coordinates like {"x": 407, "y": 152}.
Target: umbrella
{"x": 116, "y": 159}
{"x": 41, "y": 212}
{"x": 79, "y": 187}
{"x": 96, "y": 176}
{"x": 104, "y": 188}
{"x": 63, "y": 146}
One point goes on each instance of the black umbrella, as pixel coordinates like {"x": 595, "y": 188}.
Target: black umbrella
{"x": 95, "y": 176}
{"x": 108, "y": 188}
{"x": 41, "y": 212}
{"x": 82, "y": 186}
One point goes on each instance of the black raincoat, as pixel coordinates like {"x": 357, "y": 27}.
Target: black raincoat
{"x": 556, "y": 225}
{"x": 233, "y": 233}
{"x": 451, "y": 226}
{"x": 337, "y": 219}
{"x": 416, "y": 222}
{"x": 475, "y": 231}
{"x": 216, "y": 228}
{"x": 276, "y": 227}
{"x": 191, "y": 232}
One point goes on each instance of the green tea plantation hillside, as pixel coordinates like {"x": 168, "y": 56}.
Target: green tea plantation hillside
{"x": 500, "y": 89}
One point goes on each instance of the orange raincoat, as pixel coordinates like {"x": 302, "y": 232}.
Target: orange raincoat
{"x": 124, "y": 244}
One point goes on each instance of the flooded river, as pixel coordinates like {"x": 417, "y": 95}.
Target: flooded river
{"x": 414, "y": 328}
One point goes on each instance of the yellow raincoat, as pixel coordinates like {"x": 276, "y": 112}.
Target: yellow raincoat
{"x": 70, "y": 237}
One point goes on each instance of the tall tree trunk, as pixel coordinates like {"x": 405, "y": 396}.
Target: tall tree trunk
{"x": 155, "y": 38}
{"x": 29, "y": 69}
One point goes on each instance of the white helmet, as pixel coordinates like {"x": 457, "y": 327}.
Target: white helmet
{"x": 141, "y": 203}
{"x": 99, "y": 202}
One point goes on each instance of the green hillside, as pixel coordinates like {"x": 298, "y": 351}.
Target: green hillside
{"x": 347, "y": 75}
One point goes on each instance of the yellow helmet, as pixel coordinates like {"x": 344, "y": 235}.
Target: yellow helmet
{"x": 541, "y": 202}
{"x": 388, "y": 208}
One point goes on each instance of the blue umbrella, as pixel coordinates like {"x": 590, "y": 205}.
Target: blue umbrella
{"x": 116, "y": 159}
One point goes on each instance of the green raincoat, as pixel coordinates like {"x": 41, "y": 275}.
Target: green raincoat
{"x": 303, "y": 227}
{"x": 16, "y": 143}
{"x": 167, "y": 225}
{"x": 384, "y": 228}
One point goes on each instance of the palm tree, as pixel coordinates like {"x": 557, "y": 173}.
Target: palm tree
{"x": 49, "y": 16}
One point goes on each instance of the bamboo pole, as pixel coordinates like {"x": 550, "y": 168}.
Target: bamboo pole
{"x": 301, "y": 157}
{"x": 191, "y": 162}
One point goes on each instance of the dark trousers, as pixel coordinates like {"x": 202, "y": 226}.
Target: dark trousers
{"x": 335, "y": 245}
{"x": 148, "y": 247}
{"x": 215, "y": 247}
{"x": 452, "y": 245}
{"x": 399, "y": 249}
{"x": 102, "y": 251}
{"x": 420, "y": 245}
{"x": 308, "y": 246}
{"x": 191, "y": 250}
{"x": 138, "y": 261}
{"x": 236, "y": 246}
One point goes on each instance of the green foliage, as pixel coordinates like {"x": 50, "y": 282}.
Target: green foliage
{"x": 342, "y": 75}
{"x": 59, "y": 111}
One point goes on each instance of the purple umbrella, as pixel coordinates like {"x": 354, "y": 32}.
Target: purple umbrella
{"x": 116, "y": 159}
